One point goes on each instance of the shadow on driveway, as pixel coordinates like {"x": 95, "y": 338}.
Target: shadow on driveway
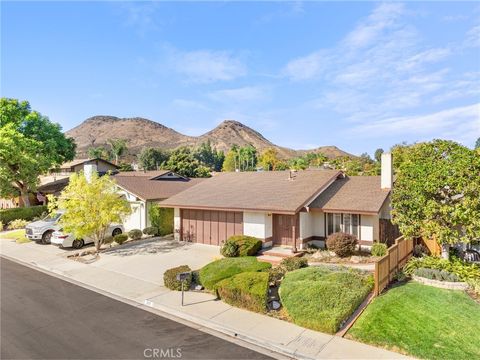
{"x": 150, "y": 246}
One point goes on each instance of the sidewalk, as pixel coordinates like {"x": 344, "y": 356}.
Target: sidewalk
{"x": 132, "y": 279}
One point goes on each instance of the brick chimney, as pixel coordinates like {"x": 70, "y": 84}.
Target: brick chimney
{"x": 386, "y": 171}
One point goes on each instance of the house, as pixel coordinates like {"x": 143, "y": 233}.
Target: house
{"x": 284, "y": 208}
{"x": 144, "y": 188}
{"x": 58, "y": 178}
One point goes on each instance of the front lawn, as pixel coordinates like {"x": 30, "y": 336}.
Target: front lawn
{"x": 422, "y": 321}
{"x": 322, "y": 298}
{"x": 17, "y": 235}
{"x": 221, "y": 269}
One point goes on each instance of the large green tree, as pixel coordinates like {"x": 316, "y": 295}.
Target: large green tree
{"x": 152, "y": 158}
{"x": 118, "y": 147}
{"x": 30, "y": 145}
{"x": 182, "y": 161}
{"x": 91, "y": 207}
{"x": 209, "y": 156}
{"x": 437, "y": 192}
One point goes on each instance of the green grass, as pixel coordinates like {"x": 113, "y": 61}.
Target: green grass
{"x": 321, "y": 298}
{"x": 221, "y": 269}
{"x": 247, "y": 290}
{"x": 17, "y": 235}
{"x": 422, "y": 321}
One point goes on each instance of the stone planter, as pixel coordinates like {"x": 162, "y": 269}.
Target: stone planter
{"x": 441, "y": 284}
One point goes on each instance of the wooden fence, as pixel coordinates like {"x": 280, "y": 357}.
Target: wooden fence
{"x": 387, "y": 266}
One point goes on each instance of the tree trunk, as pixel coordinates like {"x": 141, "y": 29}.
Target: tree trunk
{"x": 25, "y": 196}
{"x": 445, "y": 251}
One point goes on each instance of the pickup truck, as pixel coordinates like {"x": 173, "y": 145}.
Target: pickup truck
{"x": 42, "y": 230}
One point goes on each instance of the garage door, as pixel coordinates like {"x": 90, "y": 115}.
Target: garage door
{"x": 210, "y": 227}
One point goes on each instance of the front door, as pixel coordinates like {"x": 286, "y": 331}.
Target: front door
{"x": 283, "y": 229}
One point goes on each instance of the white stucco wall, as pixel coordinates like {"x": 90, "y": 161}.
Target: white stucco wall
{"x": 369, "y": 228}
{"x": 258, "y": 224}
{"x": 177, "y": 221}
{"x": 385, "y": 211}
{"x": 306, "y": 225}
{"x": 318, "y": 223}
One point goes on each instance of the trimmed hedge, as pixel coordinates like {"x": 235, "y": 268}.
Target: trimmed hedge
{"x": 162, "y": 219}
{"x": 321, "y": 298}
{"x": 120, "y": 238}
{"x": 170, "y": 278}
{"x": 24, "y": 213}
{"x": 241, "y": 245}
{"x": 151, "y": 230}
{"x": 248, "y": 290}
{"x": 135, "y": 234}
{"x": 294, "y": 263}
{"x": 211, "y": 274}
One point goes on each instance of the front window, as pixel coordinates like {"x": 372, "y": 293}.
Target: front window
{"x": 347, "y": 223}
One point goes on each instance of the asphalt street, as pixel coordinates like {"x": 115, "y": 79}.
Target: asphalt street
{"x": 44, "y": 317}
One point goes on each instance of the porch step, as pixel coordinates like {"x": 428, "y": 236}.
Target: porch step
{"x": 281, "y": 253}
{"x": 274, "y": 260}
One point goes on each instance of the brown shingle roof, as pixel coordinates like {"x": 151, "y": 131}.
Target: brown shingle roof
{"x": 142, "y": 184}
{"x": 267, "y": 191}
{"x": 355, "y": 194}
{"x": 76, "y": 162}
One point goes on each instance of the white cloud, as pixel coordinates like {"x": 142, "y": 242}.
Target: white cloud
{"x": 242, "y": 94}
{"x": 460, "y": 124}
{"x": 140, "y": 15}
{"x": 306, "y": 67}
{"x": 473, "y": 37}
{"x": 206, "y": 66}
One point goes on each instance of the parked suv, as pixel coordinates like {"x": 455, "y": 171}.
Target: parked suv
{"x": 68, "y": 240}
{"x": 42, "y": 230}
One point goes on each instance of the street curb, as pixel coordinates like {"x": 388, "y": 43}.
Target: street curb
{"x": 165, "y": 311}
{"x": 279, "y": 349}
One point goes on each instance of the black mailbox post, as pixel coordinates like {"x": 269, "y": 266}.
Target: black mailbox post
{"x": 182, "y": 277}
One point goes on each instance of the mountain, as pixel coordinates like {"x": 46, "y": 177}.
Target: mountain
{"x": 140, "y": 133}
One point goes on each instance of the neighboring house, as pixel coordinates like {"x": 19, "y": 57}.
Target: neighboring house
{"x": 58, "y": 179}
{"x": 284, "y": 208}
{"x": 144, "y": 188}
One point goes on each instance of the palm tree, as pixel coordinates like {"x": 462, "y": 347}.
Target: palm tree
{"x": 119, "y": 146}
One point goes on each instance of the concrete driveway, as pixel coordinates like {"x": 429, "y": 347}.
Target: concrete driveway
{"x": 149, "y": 259}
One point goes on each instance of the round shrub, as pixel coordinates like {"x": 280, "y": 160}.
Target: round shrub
{"x": 294, "y": 263}
{"x": 379, "y": 249}
{"x": 229, "y": 249}
{"x": 135, "y": 234}
{"x": 120, "y": 238}
{"x": 342, "y": 244}
{"x": 170, "y": 278}
{"x": 108, "y": 239}
{"x": 248, "y": 290}
{"x": 151, "y": 230}
{"x": 216, "y": 271}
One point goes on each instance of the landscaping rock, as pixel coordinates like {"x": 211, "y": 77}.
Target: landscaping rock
{"x": 198, "y": 287}
{"x": 355, "y": 259}
{"x": 275, "y": 305}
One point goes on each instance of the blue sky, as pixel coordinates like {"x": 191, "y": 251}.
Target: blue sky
{"x": 359, "y": 75}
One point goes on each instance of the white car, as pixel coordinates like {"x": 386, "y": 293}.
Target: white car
{"x": 68, "y": 240}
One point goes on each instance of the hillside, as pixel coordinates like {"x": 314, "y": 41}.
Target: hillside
{"x": 140, "y": 132}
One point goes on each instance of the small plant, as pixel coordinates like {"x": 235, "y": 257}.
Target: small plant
{"x": 229, "y": 249}
{"x": 135, "y": 234}
{"x": 170, "y": 278}
{"x": 379, "y": 249}
{"x": 435, "y": 274}
{"x": 400, "y": 276}
{"x": 17, "y": 224}
{"x": 465, "y": 271}
{"x": 342, "y": 244}
{"x": 294, "y": 263}
{"x": 151, "y": 230}
{"x": 120, "y": 238}
{"x": 474, "y": 285}
{"x": 276, "y": 274}
{"x": 108, "y": 239}
{"x": 1, "y": 226}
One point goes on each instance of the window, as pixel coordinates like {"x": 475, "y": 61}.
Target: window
{"x": 348, "y": 223}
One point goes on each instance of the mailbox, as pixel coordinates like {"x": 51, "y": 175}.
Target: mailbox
{"x": 183, "y": 276}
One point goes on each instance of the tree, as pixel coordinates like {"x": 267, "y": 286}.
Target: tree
{"x": 91, "y": 207}
{"x": 230, "y": 162}
{"x": 98, "y": 152}
{"x": 30, "y": 145}
{"x": 437, "y": 192}
{"x": 152, "y": 158}
{"x": 477, "y": 144}
{"x": 241, "y": 158}
{"x": 209, "y": 156}
{"x": 118, "y": 147}
{"x": 378, "y": 154}
{"x": 269, "y": 160}
{"x": 183, "y": 162}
